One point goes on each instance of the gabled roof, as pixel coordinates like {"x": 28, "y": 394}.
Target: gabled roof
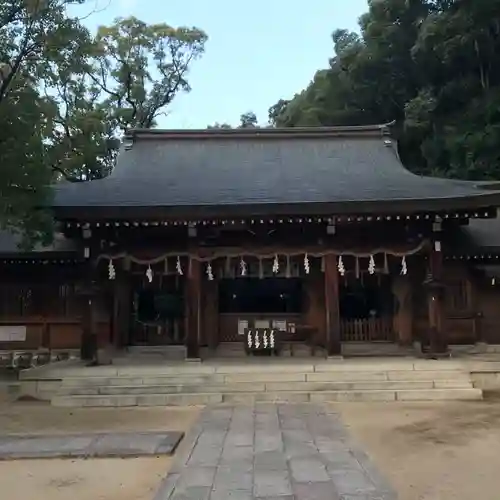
{"x": 334, "y": 169}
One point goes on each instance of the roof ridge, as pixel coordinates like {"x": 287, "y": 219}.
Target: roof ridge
{"x": 377, "y": 130}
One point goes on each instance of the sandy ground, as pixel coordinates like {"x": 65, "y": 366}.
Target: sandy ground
{"x": 432, "y": 451}
{"x": 41, "y": 418}
{"x": 104, "y": 479}
{"x": 428, "y": 451}
{"x": 92, "y": 479}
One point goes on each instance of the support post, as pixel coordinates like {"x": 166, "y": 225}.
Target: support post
{"x": 121, "y": 312}
{"x": 403, "y": 319}
{"x": 333, "y": 345}
{"x": 437, "y": 334}
{"x": 210, "y": 314}
{"x": 193, "y": 306}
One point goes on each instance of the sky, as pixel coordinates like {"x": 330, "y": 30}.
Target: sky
{"x": 258, "y": 51}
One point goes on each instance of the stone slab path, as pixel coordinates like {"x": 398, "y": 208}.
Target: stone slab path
{"x": 122, "y": 444}
{"x": 272, "y": 452}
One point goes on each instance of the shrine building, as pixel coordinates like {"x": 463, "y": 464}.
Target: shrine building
{"x": 306, "y": 236}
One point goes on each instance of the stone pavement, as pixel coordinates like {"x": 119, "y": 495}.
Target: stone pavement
{"x": 122, "y": 444}
{"x": 272, "y": 452}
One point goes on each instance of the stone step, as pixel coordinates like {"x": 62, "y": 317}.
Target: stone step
{"x": 263, "y": 387}
{"x": 253, "y": 397}
{"x": 268, "y": 377}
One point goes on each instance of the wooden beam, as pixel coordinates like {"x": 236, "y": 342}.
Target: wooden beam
{"x": 333, "y": 346}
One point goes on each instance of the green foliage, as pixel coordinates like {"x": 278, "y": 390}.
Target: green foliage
{"x": 431, "y": 65}
{"x": 247, "y": 120}
{"x": 67, "y": 96}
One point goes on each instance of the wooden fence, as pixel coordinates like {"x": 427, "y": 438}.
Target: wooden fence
{"x": 367, "y": 330}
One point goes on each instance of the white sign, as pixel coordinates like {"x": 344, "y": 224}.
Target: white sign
{"x": 279, "y": 324}
{"x": 242, "y": 324}
{"x": 15, "y": 333}
{"x": 262, "y": 323}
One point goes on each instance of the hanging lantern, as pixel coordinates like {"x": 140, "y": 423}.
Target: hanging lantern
{"x": 178, "y": 266}
{"x": 307, "y": 266}
{"x": 371, "y": 265}
{"x": 404, "y": 268}
{"x": 210, "y": 273}
{"x": 149, "y": 274}
{"x": 111, "y": 270}
{"x": 276, "y": 265}
{"x": 341, "y": 267}
{"x": 243, "y": 267}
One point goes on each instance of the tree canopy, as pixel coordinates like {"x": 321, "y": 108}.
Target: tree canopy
{"x": 247, "y": 120}
{"x": 430, "y": 65}
{"x": 67, "y": 95}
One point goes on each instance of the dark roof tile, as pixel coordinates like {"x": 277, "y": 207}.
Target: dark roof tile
{"x": 266, "y": 167}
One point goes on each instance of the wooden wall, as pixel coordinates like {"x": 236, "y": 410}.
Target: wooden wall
{"x": 47, "y": 303}
{"x": 472, "y": 307}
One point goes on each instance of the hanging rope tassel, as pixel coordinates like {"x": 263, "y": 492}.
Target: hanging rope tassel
{"x": 210, "y": 273}
{"x": 371, "y": 265}
{"x": 307, "y": 266}
{"x": 386, "y": 264}
{"x": 149, "y": 274}
{"x": 404, "y": 267}
{"x": 288, "y": 272}
{"x": 165, "y": 266}
{"x": 243, "y": 267}
{"x": 111, "y": 270}
{"x": 261, "y": 268}
{"x": 341, "y": 267}
{"x": 178, "y": 266}
{"x": 276, "y": 265}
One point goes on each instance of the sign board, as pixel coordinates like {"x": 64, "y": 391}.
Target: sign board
{"x": 14, "y": 333}
{"x": 242, "y": 324}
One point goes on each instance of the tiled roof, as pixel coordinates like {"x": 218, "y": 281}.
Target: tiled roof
{"x": 350, "y": 167}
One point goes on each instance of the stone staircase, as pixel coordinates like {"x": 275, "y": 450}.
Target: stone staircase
{"x": 266, "y": 381}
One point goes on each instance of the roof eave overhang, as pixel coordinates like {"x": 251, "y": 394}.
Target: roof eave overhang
{"x": 483, "y": 201}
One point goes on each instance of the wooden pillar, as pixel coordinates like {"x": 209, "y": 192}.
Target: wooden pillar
{"x": 193, "y": 309}
{"x": 333, "y": 346}
{"x": 437, "y": 332}
{"x": 210, "y": 323}
{"x": 403, "y": 319}
{"x": 122, "y": 302}
{"x": 88, "y": 346}
{"x": 315, "y": 312}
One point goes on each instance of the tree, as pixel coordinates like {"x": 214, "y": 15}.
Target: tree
{"x": 30, "y": 31}
{"x": 428, "y": 64}
{"x": 248, "y": 120}
{"x": 67, "y": 96}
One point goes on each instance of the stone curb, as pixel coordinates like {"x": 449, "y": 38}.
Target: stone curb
{"x": 94, "y": 445}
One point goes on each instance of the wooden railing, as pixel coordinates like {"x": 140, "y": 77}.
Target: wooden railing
{"x": 367, "y": 330}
